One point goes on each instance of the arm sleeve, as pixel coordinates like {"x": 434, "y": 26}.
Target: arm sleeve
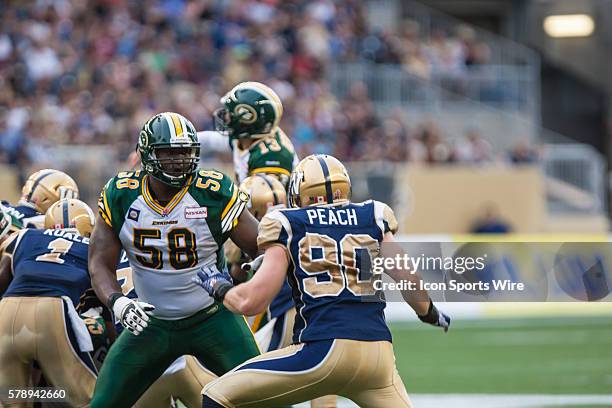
{"x": 273, "y": 231}
{"x": 213, "y": 141}
{"x": 103, "y": 204}
{"x": 236, "y": 202}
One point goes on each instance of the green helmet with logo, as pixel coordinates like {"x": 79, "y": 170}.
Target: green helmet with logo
{"x": 169, "y": 149}
{"x": 250, "y": 110}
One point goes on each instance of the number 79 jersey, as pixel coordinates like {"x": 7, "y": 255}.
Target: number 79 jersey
{"x": 329, "y": 248}
{"x": 166, "y": 246}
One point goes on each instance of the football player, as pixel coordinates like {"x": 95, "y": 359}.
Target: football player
{"x": 172, "y": 219}
{"x": 42, "y": 276}
{"x": 274, "y": 327}
{"x": 342, "y": 344}
{"x": 40, "y": 191}
{"x": 250, "y": 117}
{"x": 183, "y": 380}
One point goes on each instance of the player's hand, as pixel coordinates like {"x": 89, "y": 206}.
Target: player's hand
{"x": 213, "y": 281}
{"x": 436, "y": 317}
{"x": 132, "y": 314}
{"x": 253, "y": 266}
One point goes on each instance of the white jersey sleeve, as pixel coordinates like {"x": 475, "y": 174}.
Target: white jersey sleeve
{"x": 213, "y": 141}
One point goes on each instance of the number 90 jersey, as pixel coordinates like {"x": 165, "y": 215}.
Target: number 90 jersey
{"x": 166, "y": 246}
{"x": 327, "y": 246}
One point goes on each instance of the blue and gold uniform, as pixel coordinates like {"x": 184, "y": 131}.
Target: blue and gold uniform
{"x": 328, "y": 289}
{"x": 43, "y": 274}
{"x": 38, "y": 322}
{"x": 341, "y": 343}
{"x": 49, "y": 263}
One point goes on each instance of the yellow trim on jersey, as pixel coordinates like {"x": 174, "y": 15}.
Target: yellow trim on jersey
{"x": 252, "y": 334}
{"x": 257, "y": 322}
{"x": 105, "y": 219}
{"x": 107, "y": 208}
{"x": 231, "y": 203}
{"x": 178, "y": 126}
{"x": 154, "y": 205}
{"x": 270, "y": 170}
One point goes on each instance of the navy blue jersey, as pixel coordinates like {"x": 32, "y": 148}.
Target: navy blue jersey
{"x": 328, "y": 245}
{"x": 22, "y": 213}
{"x": 282, "y": 302}
{"x": 50, "y": 263}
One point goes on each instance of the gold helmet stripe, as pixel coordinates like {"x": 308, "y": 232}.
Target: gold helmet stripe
{"x": 178, "y": 125}
{"x": 36, "y": 183}
{"x": 328, "y": 185}
{"x": 65, "y": 216}
{"x": 169, "y": 122}
{"x": 274, "y": 195}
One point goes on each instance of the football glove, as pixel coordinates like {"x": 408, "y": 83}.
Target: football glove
{"x": 132, "y": 314}
{"x": 213, "y": 281}
{"x": 436, "y": 317}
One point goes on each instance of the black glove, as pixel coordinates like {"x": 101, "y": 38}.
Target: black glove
{"x": 436, "y": 317}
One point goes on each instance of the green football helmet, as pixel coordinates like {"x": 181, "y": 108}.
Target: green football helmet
{"x": 169, "y": 149}
{"x": 250, "y": 110}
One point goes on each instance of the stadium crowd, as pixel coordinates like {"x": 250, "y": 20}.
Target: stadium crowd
{"x": 91, "y": 72}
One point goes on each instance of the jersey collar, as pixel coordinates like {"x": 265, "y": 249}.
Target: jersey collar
{"x": 155, "y": 206}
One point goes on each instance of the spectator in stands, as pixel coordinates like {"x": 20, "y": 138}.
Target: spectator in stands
{"x": 491, "y": 222}
{"x": 523, "y": 153}
{"x": 473, "y": 149}
{"x": 90, "y": 72}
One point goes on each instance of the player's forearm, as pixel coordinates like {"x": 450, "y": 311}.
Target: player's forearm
{"x": 104, "y": 283}
{"x": 417, "y": 299}
{"x": 245, "y": 234}
{"x": 104, "y": 251}
{"x": 242, "y": 300}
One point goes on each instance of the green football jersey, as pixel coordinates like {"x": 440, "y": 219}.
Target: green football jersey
{"x": 273, "y": 154}
{"x": 167, "y": 245}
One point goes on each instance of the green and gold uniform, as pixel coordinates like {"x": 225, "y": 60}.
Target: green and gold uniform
{"x": 273, "y": 154}
{"x": 166, "y": 246}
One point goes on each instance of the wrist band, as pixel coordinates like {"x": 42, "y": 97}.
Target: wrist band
{"x": 113, "y": 298}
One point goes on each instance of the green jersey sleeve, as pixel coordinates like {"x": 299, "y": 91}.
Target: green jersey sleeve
{"x": 117, "y": 196}
{"x": 223, "y": 199}
{"x": 272, "y": 155}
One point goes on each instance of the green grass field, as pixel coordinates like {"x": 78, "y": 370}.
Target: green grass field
{"x": 539, "y": 356}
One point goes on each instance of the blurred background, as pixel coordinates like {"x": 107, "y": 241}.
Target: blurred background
{"x": 467, "y": 116}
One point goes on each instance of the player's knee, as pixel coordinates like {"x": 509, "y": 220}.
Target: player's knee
{"x": 208, "y": 402}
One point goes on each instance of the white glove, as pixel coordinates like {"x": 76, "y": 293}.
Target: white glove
{"x": 132, "y": 314}
{"x": 253, "y": 266}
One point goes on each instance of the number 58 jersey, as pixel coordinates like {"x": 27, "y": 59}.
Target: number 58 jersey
{"x": 330, "y": 248}
{"x": 166, "y": 245}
